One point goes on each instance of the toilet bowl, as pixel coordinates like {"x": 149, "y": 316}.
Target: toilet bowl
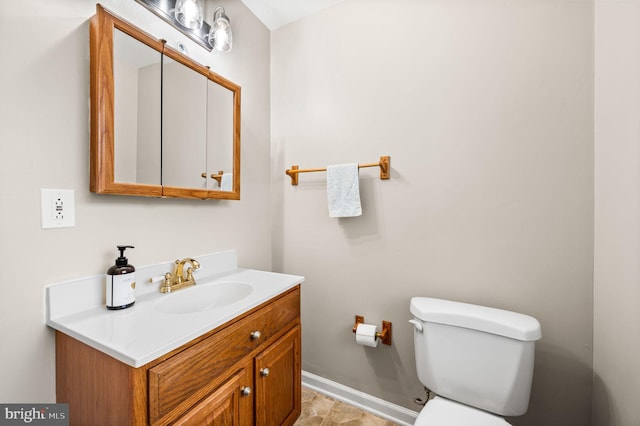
{"x": 443, "y": 412}
{"x": 477, "y": 360}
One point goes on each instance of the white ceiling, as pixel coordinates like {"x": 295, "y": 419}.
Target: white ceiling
{"x": 276, "y": 13}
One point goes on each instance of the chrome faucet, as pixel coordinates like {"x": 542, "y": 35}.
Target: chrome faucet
{"x": 178, "y": 279}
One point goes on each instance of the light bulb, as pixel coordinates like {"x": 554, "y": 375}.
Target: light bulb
{"x": 189, "y": 13}
{"x": 220, "y": 36}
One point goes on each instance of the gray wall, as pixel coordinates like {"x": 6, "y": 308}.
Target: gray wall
{"x": 616, "y": 331}
{"x": 486, "y": 109}
{"x": 44, "y": 143}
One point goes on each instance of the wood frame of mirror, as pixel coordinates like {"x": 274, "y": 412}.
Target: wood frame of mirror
{"x": 102, "y": 161}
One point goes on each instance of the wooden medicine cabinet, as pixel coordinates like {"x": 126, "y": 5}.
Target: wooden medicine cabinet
{"x": 162, "y": 125}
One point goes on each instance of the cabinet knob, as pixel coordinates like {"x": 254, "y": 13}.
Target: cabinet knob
{"x": 264, "y": 372}
{"x": 255, "y": 335}
{"x": 245, "y": 391}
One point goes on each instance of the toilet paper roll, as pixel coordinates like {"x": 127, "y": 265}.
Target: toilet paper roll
{"x": 366, "y": 335}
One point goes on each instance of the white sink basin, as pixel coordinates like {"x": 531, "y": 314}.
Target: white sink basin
{"x": 203, "y": 297}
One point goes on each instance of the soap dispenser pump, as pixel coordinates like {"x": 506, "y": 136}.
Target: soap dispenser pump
{"x": 121, "y": 283}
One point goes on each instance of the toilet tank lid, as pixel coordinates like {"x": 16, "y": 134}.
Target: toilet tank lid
{"x": 491, "y": 320}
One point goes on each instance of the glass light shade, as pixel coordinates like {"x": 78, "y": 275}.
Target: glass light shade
{"x": 220, "y": 36}
{"x": 189, "y": 13}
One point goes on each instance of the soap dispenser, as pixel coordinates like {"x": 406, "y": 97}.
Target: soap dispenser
{"x": 121, "y": 282}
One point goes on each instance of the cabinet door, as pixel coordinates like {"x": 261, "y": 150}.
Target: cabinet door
{"x": 223, "y": 407}
{"x": 184, "y": 126}
{"x": 278, "y": 381}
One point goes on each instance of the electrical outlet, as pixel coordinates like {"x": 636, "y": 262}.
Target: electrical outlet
{"x": 58, "y": 208}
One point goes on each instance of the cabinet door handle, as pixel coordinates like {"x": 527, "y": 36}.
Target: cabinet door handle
{"x": 245, "y": 391}
{"x": 264, "y": 372}
{"x": 255, "y": 335}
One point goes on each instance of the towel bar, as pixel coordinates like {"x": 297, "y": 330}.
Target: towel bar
{"x": 384, "y": 164}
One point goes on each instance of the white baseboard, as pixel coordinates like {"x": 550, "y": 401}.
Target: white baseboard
{"x": 379, "y": 407}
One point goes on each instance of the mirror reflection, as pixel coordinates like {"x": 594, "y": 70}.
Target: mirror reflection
{"x": 219, "y": 137}
{"x": 137, "y": 88}
{"x": 184, "y": 126}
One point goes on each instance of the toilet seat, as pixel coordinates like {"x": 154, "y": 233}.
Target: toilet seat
{"x": 443, "y": 412}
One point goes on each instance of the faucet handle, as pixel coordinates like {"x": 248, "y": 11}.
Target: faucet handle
{"x": 190, "y": 274}
{"x": 166, "y": 284}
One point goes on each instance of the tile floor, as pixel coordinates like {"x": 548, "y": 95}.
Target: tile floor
{"x": 319, "y": 409}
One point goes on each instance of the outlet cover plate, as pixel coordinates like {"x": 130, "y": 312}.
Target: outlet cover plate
{"x": 58, "y": 208}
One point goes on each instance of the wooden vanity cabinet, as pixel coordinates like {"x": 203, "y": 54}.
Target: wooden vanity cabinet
{"x": 277, "y": 382}
{"x": 227, "y": 405}
{"x": 230, "y": 376}
{"x": 276, "y": 386}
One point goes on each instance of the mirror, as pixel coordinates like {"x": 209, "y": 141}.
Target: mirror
{"x": 184, "y": 120}
{"x": 219, "y": 137}
{"x": 137, "y": 87}
{"x": 161, "y": 124}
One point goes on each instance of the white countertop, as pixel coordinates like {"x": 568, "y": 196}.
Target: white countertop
{"x": 142, "y": 333}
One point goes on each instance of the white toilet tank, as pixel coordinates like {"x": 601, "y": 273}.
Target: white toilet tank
{"x": 475, "y": 355}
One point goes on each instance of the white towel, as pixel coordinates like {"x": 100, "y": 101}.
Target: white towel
{"x": 343, "y": 190}
{"x": 226, "y": 183}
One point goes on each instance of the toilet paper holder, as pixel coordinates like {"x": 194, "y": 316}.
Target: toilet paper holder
{"x": 384, "y": 335}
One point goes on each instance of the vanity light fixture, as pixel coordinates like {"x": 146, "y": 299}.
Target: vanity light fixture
{"x": 188, "y": 17}
{"x": 220, "y": 36}
{"x": 189, "y": 13}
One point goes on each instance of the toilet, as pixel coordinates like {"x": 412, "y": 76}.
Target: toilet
{"x": 477, "y": 360}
